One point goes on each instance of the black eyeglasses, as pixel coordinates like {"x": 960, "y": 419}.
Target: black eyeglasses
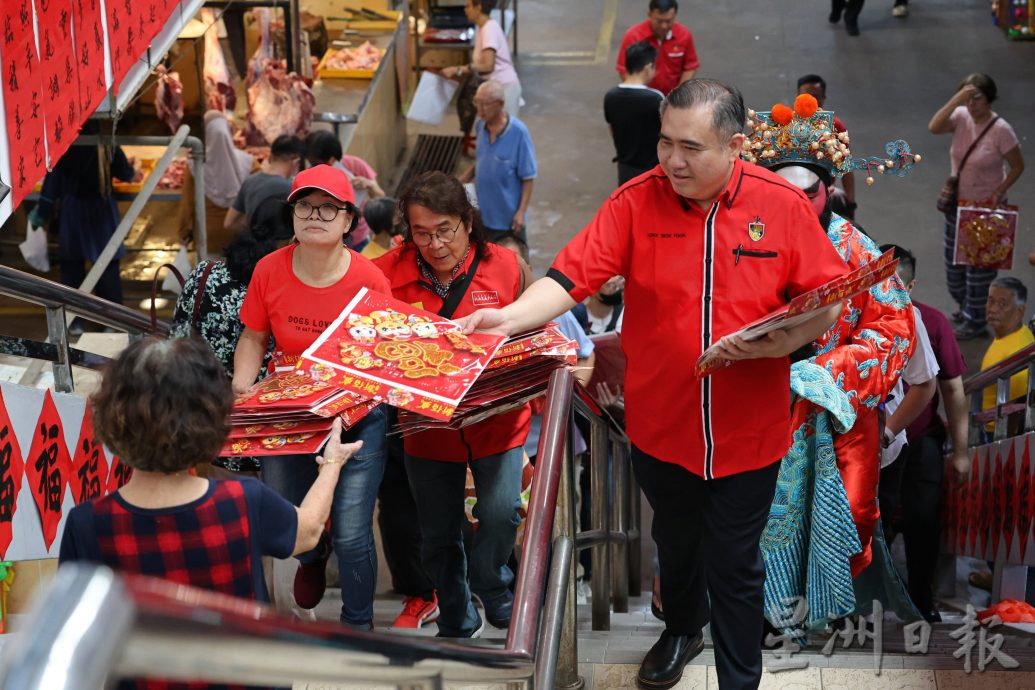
{"x": 445, "y": 236}
{"x": 303, "y": 210}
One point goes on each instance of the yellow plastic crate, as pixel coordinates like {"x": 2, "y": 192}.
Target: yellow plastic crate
{"x": 327, "y": 73}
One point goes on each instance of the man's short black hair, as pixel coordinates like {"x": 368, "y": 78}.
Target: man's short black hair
{"x": 663, "y": 6}
{"x": 728, "y": 114}
{"x": 813, "y": 79}
{"x": 321, "y": 146}
{"x": 906, "y": 262}
{"x": 1014, "y": 285}
{"x": 486, "y": 6}
{"x": 638, "y": 56}
{"x": 286, "y": 147}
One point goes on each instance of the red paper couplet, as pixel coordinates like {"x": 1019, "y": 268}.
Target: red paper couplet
{"x": 1009, "y": 493}
{"x": 997, "y": 510}
{"x": 48, "y": 468}
{"x": 89, "y": 464}
{"x": 12, "y": 469}
{"x": 118, "y": 476}
{"x": 89, "y": 54}
{"x": 22, "y": 79}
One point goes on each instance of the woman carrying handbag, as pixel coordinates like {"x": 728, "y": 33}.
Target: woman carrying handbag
{"x": 986, "y": 162}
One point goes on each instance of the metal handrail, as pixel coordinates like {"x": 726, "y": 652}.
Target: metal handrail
{"x": 1004, "y": 368}
{"x": 999, "y": 375}
{"x": 47, "y": 293}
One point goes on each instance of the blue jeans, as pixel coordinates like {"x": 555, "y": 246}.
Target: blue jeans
{"x": 438, "y": 489}
{"x": 352, "y": 512}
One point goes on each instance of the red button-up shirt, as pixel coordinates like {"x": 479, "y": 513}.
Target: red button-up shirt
{"x": 693, "y": 276}
{"x": 676, "y": 54}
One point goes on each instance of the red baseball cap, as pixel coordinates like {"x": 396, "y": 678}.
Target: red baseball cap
{"x": 326, "y": 178}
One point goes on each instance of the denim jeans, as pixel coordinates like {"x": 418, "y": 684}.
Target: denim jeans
{"x": 352, "y": 512}
{"x": 438, "y": 488}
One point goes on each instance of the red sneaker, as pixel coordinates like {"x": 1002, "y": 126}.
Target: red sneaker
{"x": 311, "y": 581}
{"x": 417, "y": 611}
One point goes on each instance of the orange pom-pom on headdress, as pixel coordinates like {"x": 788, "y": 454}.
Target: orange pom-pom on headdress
{"x": 806, "y": 105}
{"x": 781, "y": 114}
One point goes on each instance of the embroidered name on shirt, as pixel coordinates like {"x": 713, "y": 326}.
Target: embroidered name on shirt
{"x": 485, "y": 297}
{"x": 666, "y": 235}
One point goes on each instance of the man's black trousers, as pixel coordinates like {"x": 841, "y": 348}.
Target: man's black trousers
{"x": 708, "y": 533}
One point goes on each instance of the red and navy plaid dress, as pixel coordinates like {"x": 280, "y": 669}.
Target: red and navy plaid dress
{"x": 215, "y": 542}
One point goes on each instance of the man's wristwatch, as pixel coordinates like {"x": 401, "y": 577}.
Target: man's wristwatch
{"x": 888, "y": 438}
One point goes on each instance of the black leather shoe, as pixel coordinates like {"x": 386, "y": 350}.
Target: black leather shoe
{"x": 663, "y": 666}
{"x": 931, "y": 615}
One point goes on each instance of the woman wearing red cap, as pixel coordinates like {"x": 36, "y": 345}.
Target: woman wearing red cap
{"x": 294, "y": 294}
{"x": 447, "y": 266}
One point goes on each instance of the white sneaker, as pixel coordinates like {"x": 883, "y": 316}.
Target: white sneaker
{"x": 900, "y": 11}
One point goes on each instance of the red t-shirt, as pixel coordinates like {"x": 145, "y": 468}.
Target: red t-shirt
{"x": 496, "y": 283}
{"x": 687, "y": 285}
{"x": 676, "y": 54}
{"x": 297, "y": 313}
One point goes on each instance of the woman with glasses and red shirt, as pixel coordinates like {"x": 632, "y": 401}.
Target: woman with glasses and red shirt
{"x": 445, "y": 265}
{"x": 294, "y": 294}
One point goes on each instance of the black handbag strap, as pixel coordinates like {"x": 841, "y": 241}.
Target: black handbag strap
{"x": 154, "y": 291}
{"x": 457, "y": 290}
{"x": 200, "y": 295}
{"x": 973, "y": 146}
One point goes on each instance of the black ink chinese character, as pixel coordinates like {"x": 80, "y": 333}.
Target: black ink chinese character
{"x": 63, "y": 22}
{"x": 12, "y": 79}
{"x": 35, "y": 115}
{"x": 21, "y": 171}
{"x": 55, "y": 87}
{"x": 89, "y": 482}
{"x": 122, "y": 474}
{"x": 59, "y": 128}
{"x": 23, "y": 14}
{"x": 37, "y": 152}
{"x": 48, "y": 46}
{"x": 115, "y": 19}
{"x": 8, "y": 31}
{"x": 46, "y": 464}
{"x": 7, "y": 497}
{"x": 98, "y": 38}
{"x": 18, "y": 122}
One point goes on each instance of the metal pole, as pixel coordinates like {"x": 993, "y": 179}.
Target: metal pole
{"x": 1002, "y": 396}
{"x": 102, "y": 261}
{"x": 619, "y": 525}
{"x": 1029, "y": 410}
{"x": 600, "y": 580}
{"x": 553, "y": 613}
{"x": 57, "y": 332}
{"x": 975, "y": 408}
{"x": 532, "y": 572}
{"x": 634, "y": 543}
{"x": 200, "y": 229}
{"x": 567, "y": 666}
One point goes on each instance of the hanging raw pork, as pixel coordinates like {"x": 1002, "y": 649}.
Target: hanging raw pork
{"x": 169, "y": 98}
{"x": 219, "y": 91}
{"x": 278, "y": 102}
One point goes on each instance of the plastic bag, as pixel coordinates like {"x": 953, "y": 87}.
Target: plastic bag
{"x": 182, "y": 263}
{"x": 432, "y": 97}
{"x": 34, "y": 248}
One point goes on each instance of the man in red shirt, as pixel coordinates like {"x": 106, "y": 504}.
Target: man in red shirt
{"x": 677, "y": 59}
{"x": 706, "y": 243}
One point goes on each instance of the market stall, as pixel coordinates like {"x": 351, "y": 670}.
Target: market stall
{"x": 347, "y": 79}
